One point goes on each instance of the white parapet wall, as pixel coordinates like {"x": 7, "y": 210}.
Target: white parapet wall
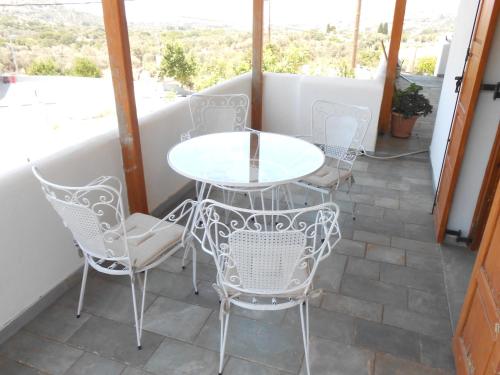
{"x": 288, "y": 99}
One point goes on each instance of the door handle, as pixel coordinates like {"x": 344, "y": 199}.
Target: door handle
{"x": 458, "y": 83}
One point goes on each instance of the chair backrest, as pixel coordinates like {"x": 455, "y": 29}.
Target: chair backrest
{"x": 339, "y": 129}
{"x": 93, "y": 213}
{"x": 265, "y": 252}
{"x": 217, "y": 113}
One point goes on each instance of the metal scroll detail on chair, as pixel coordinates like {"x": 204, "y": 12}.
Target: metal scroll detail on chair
{"x": 217, "y": 113}
{"x": 112, "y": 243}
{"x": 266, "y": 260}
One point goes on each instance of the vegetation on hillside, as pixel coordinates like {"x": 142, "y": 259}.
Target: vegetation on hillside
{"x": 65, "y": 42}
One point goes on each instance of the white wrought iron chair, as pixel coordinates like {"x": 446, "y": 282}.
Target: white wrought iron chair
{"x": 339, "y": 130}
{"x": 266, "y": 260}
{"x": 217, "y": 113}
{"x": 112, "y": 243}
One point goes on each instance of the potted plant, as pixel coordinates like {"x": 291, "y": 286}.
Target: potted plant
{"x": 407, "y": 105}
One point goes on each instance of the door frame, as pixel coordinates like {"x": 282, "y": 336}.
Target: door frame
{"x": 486, "y": 194}
{"x": 457, "y": 142}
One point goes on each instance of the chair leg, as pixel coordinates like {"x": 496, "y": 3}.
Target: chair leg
{"x": 224, "y": 323}
{"x": 195, "y": 284}
{"x": 137, "y": 317}
{"x": 82, "y": 288}
{"x": 304, "y": 320}
{"x": 351, "y": 180}
{"x": 289, "y": 197}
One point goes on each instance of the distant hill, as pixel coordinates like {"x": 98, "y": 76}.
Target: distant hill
{"x": 54, "y": 14}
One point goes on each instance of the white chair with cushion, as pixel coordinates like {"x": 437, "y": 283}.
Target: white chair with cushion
{"x": 112, "y": 243}
{"x": 339, "y": 130}
{"x": 266, "y": 260}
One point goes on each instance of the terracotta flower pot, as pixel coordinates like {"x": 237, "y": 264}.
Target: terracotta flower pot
{"x": 401, "y": 127}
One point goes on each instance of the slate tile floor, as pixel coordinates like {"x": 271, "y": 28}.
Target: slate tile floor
{"x": 388, "y": 293}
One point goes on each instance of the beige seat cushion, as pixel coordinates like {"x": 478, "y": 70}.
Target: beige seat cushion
{"x": 327, "y": 176}
{"x": 146, "y": 249}
{"x": 299, "y": 274}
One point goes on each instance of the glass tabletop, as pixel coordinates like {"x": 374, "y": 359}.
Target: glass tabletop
{"x": 249, "y": 159}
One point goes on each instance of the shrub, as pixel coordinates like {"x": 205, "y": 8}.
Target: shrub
{"x": 44, "y": 67}
{"x": 84, "y": 67}
{"x": 425, "y": 65}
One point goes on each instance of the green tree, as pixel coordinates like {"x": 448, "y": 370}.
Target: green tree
{"x": 344, "y": 69}
{"x": 84, "y": 67}
{"x": 425, "y": 65}
{"x": 176, "y": 64}
{"x": 44, "y": 67}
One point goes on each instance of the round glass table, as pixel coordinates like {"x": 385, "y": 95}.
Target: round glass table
{"x": 245, "y": 159}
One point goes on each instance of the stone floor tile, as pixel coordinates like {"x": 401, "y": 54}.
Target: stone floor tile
{"x": 385, "y": 254}
{"x": 57, "y": 323}
{"x": 363, "y": 267}
{"x": 174, "y": 264}
{"x": 278, "y": 346}
{"x": 8, "y": 366}
{"x": 414, "y": 245}
{"x": 206, "y": 272}
{"x": 374, "y": 291}
{"x": 419, "y": 232}
{"x": 409, "y": 277}
{"x": 325, "y": 324}
{"x": 428, "y": 303}
{"x": 455, "y": 301}
{"x": 352, "y": 306}
{"x": 176, "y": 286}
{"x": 114, "y": 340}
{"x": 111, "y": 300}
{"x": 206, "y": 297}
{"x": 425, "y": 262}
{"x": 332, "y": 358}
{"x": 274, "y": 317}
{"x": 175, "y": 319}
{"x": 93, "y": 364}
{"x": 457, "y": 266}
{"x": 134, "y": 371}
{"x": 375, "y": 238}
{"x": 409, "y": 216}
{"x": 436, "y": 353}
{"x": 350, "y": 247}
{"x": 44, "y": 355}
{"x": 177, "y": 358}
{"x": 412, "y": 321}
{"x": 386, "y": 364}
{"x": 329, "y": 273}
{"x": 236, "y": 366}
{"x": 383, "y": 338}
{"x": 387, "y": 202}
{"x": 367, "y": 210}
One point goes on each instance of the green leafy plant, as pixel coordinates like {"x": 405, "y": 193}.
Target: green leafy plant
{"x": 176, "y": 64}
{"x": 84, "y": 67}
{"x": 410, "y": 102}
{"x": 425, "y": 65}
{"x": 44, "y": 67}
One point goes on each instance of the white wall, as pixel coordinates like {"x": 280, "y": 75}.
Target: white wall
{"x": 479, "y": 144}
{"x": 288, "y": 99}
{"x": 463, "y": 28}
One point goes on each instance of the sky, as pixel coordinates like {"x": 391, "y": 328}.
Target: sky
{"x": 300, "y": 13}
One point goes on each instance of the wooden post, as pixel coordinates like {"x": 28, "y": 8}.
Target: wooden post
{"x": 392, "y": 61}
{"x": 257, "y": 77}
{"x": 356, "y": 34}
{"x": 115, "y": 24}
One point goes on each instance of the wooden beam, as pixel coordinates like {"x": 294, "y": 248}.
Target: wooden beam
{"x": 384, "y": 122}
{"x": 356, "y": 34}
{"x": 115, "y": 24}
{"x": 257, "y": 54}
